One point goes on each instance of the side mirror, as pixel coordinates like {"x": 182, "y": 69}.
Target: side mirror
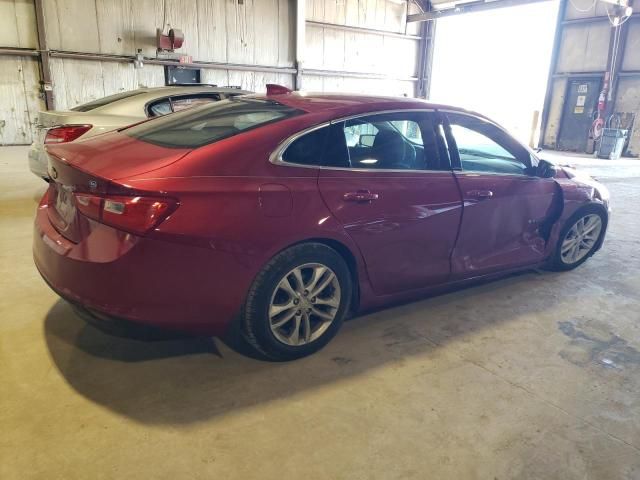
{"x": 546, "y": 169}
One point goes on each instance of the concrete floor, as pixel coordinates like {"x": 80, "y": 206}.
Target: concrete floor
{"x": 535, "y": 376}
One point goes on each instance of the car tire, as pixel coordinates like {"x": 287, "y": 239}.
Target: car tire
{"x": 278, "y": 305}
{"x": 560, "y": 260}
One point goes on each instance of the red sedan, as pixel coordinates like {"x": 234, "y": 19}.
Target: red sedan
{"x": 274, "y": 217}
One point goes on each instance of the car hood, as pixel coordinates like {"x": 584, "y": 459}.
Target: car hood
{"x": 584, "y": 181}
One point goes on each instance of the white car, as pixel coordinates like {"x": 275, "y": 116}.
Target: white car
{"x": 116, "y": 111}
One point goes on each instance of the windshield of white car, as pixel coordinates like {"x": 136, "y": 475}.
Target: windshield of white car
{"x": 101, "y": 102}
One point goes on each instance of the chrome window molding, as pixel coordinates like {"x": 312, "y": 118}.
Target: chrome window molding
{"x": 276, "y": 156}
{"x": 498, "y": 126}
{"x": 475, "y": 173}
{"x": 462, "y": 171}
{"x": 383, "y": 112}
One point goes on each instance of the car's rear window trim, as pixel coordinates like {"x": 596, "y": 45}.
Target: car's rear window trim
{"x": 121, "y": 96}
{"x": 294, "y": 112}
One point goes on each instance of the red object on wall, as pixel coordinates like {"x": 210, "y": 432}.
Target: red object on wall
{"x": 170, "y": 42}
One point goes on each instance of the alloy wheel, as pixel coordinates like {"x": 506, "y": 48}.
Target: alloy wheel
{"x": 304, "y": 304}
{"x": 581, "y": 238}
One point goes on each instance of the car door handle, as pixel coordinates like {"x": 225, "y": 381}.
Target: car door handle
{"x": 360, "y": 196}
{"x": 480, "y": 194}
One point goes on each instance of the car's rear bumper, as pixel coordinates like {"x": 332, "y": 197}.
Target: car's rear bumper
{"x": 113, "y": 275}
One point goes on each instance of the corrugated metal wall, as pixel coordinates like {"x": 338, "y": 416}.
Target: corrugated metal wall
{"x": 254, "y": 32}
{"x": 339, "y": 54}
{"x": 584, "y": 51}
{"x": 19, "y": 76}
{"x": 248, "y": 32}
{"x": 354, "y": 51}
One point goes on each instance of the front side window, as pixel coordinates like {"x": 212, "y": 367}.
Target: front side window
{"x": 393, "y": 141}
{"x": 485, "y": 148}
{"x": 198, "y": 126}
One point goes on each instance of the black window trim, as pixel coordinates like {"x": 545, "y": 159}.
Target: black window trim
{"x": 453, "y": 146}
{"x": 276, "y": 156}
{"x": 183, "y": 96}
{"x": 232, "y": 99}
{"x": 152, "y": 103}
{"x": 171, "y": 98}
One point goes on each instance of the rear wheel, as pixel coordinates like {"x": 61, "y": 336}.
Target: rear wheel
{"x": 298, "y": 302}
{"x": 579, "y": 238}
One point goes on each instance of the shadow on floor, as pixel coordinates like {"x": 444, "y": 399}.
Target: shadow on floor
{"x": 190, "y": 380}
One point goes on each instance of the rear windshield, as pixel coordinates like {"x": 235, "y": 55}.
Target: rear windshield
{"x": 209, "y": 123}
{"x": 101, "y": 102}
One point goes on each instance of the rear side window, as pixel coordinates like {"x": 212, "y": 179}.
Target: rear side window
{"x": 181, "y": 103}
{"x": 101, "y": 102}
{"x": 198, "y": 126}
{"x": 160, "y": 108}
{"x": 322, "y": 147}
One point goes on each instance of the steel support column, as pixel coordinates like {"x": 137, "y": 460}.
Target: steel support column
{"x": 424, "y": 61}
{"x": 45, "y": 70}
{"x": 552, "y": 70}
{"x": 617, "y": 48}
{"x": 300, "y": 42}
{"x": 425, "y": 52}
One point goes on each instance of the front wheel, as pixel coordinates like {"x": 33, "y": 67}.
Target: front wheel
{"x": 579, "y": 238}
{"x": 298, "y": 302}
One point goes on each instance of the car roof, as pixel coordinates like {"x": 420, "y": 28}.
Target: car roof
{"x": 134, "y": 104}
{"x": 343, "y": 103}
{"x": 196, "y": 88}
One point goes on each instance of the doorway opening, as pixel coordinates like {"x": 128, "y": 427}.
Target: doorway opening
{"x": 497, "y": 64}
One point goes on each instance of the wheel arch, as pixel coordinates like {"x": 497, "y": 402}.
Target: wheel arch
{"x": 594, "y": 206}
{"x": 350, "y": 259}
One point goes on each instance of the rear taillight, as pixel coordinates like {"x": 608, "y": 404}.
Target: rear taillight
{"x": 65, "y": 133}
{"x": 132, "y": 214}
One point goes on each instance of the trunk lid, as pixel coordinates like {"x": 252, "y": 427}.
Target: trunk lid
{"x": 115, "y": 155}
{"x": 51, "y": 119}
{"x": 65, "y": 182}
{"x": 92, "y": 166}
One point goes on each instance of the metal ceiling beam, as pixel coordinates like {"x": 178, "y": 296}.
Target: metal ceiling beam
{"x": 462, "y": 8}
{"x": 375, "y": 31}
{"x": 101, "y": 57}
{"x": 580, "y": 21}
{"x": 349, "y": 74}
{"x": 19, "y": 52}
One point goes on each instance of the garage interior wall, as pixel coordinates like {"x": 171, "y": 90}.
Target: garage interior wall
{"x": 351, "y": 45}
{"x": 583, "y": 50}
{"x": 382, "y": 45}
{"x": 19, "y": 75}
